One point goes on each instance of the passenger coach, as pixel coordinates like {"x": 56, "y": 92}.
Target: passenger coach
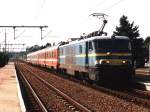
{"x": 47, "y": 57}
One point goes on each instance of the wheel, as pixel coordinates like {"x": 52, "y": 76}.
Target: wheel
{"x": 94, "y": 76}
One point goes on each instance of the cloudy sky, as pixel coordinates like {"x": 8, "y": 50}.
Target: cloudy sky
{"x": 68, "y": 18}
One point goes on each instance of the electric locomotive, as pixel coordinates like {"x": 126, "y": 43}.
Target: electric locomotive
{"x": 98, "y": 58}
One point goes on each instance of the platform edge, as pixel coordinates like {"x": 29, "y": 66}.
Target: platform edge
{"x": 21, "y": 101}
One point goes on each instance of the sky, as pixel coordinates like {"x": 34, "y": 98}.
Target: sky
{"x": 67, "y": 18}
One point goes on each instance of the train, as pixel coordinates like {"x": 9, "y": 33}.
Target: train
{"x": 97, "y": 59}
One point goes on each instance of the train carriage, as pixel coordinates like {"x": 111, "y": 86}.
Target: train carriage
{"x": 41, "y": 57}
{"x": 47, "y": 57}
{"x": 33, "y": 58}
{"x": 51, "y": 57}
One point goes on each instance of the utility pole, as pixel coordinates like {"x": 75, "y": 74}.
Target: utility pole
{"x": 14, "y": 32}
{"x": 5, "y": 40}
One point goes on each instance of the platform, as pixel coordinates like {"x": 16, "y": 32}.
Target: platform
{"x": 10, "y": 95}
{"x": 145, "y": 71}
{"x": 142, "y": 77}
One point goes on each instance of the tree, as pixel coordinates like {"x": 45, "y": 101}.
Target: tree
{"x": 146, "y": 46}
{"x": 147, "y": 42}
{"x": 48, "y": 45}
{"x": 127, "y": 29}
{"x": 139, "y": 52}
{"x": 3, "y": 59}
{"x": 33, "y": 48}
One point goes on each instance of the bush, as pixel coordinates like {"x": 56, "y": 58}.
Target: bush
{"x": 3, "y": 59}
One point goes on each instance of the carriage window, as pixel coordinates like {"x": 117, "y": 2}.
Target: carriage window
{"x": 90, "y": 46}
{"x": 61, "y": 51}
{"x": 52, "y": 54}
{"x": 47, "y": 54}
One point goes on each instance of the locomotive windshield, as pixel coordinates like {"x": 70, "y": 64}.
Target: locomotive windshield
{"x": 112, "y": 45}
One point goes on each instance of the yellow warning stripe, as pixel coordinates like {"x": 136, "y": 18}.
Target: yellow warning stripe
{"x": 104, "y": 54}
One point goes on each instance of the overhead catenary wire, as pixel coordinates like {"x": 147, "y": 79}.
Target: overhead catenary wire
{"x": 47, "y": 34}
{"x": 113, "y": 5}
{"x": 40, "y": 9}
{"x": 98, "y": 5}
{"x": 20, "y": 34}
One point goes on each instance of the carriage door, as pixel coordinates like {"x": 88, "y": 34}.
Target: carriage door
{"x": 90, "y": 54}
{"x": 86, "y": 57}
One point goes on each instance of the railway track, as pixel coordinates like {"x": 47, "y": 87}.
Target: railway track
{"x": 134, "y": 94}
{"x": 142, "y": 93}
{"x": 125, "y": 96}
{"x": 31, "y": 103}
{"x": 39, "y": 102}
{"x": 68, "y": 102}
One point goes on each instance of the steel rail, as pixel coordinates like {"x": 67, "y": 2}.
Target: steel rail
{"x": 143, "y": 92}
{"x": 43, "y": 108}
{"x": 120, "y": 94}
{"x": 128, "y": 96}
{"x": 66, "y": 97}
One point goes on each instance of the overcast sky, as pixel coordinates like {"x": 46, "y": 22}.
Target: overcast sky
{"x": 68, "y": 18}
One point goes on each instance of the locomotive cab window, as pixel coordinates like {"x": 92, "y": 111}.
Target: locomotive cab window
{"x": 118, "y": 45}
{"x": 90, "y": 46}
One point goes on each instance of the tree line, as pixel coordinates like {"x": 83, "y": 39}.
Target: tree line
{"x": 3, "y": 59}
{"x": 37, "y": 47}
{"x": 140, "y": 52}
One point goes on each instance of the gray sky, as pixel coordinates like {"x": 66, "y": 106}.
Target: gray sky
{"x": 68, "y": 18}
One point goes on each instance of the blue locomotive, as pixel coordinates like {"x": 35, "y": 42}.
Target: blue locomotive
{"x": 97, "y": 58}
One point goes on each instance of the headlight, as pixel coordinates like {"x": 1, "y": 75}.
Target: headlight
{"x": 96, "y": 62}
{"x": 104, "y": 62}
{"x": 107, "y": 61}
{"x": 101, "y": 61}
{"x": 126, "y": 62}
{"x": 123, "y": 62}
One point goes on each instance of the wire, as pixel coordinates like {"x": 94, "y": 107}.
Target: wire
{"x": 113, "y": 5}
{"x": 47, "y": 34}
{"x": 39, "y": 10}
{"x": 20, "y": 34}
{"x": 98, "y": 4}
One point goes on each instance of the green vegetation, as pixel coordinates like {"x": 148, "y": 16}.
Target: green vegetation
{"x": 128, "y": 29}
{"x": 3, "y": 59}
{"x": 36, "y": 48}
{"x": 146, "y": 46}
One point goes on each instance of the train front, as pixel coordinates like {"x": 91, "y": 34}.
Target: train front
{"x": 112, "y": 59}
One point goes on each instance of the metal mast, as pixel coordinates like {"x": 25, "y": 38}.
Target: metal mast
{"x": 14, "y": 27}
